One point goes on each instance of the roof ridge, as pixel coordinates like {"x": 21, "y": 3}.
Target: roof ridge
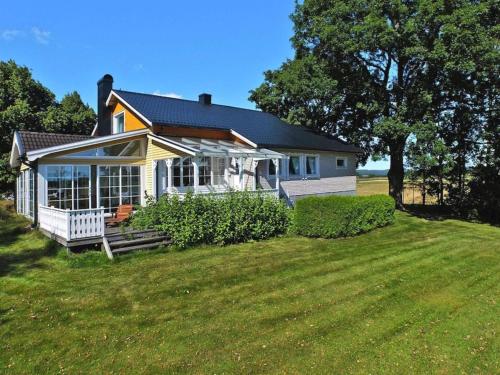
{"x": 195, "y": 101}
{"x": 50, "y": 133}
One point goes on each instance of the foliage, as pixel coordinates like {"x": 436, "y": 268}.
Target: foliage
{"x": 342, "y": 216}
{"x": 375, "y": 72}
{"x": 25, "y": 104}
{"x": 197, "y": 219}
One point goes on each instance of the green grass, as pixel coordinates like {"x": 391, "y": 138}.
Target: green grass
{"x": 415, "y": 297}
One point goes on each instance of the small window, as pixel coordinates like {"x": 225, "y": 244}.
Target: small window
{"x": 204, "y": 171}
{"x": 311, "y": 165}
{"x": 119, "y": 123}
{"x": 341, "y": 163}
{"x": 294, "y": 165}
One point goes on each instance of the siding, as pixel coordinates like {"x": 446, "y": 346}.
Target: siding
{"x": 132, "y": 122}
{"x": 323, "y": 186}
{"x": 327, "y": 162}
{"x": 156, "y": 151}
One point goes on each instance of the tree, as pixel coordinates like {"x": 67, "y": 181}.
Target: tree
{"x": 71, "y": 116}
{"x": 25, "y": 104}
{"x": 374, "y": 72}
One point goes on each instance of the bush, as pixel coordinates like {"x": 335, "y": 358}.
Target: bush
{"x": 208, "y": 219}
{"x": 342, "y": 216}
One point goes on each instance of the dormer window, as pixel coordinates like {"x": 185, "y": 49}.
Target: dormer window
{"x": 119, "y": 123}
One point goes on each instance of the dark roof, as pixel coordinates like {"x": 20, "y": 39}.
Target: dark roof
{"x": 262, "y": 128}
{"x": 34, "y": 141}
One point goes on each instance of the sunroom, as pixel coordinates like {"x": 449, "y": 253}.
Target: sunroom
{"x": 69, "y": 190}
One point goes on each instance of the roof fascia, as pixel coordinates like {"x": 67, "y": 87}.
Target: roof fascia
{"x": 33, "y": 155}
{"x": 244, "y": 139}
{"x": 16, "y": 142}
{"x": 108, "y": 102}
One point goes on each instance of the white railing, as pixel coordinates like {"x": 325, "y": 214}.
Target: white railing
{"x": 72, "y": 224}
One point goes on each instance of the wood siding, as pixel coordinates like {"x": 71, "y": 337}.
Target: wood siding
{"x": 132, "y": 122}
{"x": 324, "y": 186}
{"x": 156, "y": 151}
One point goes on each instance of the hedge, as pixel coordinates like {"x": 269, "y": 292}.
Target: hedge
{"x": 208, "y": 219}
{"x": 342, "y": 216}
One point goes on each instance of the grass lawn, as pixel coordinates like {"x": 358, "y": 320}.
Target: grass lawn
{"x": 415, "y": 297}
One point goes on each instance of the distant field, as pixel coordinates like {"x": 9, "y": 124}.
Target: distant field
{"x": 379, "y": 185}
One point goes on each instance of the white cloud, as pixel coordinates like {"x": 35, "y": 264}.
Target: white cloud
{"x": 41, "y": 36}
{"x": 10, "y": 34}
{"x": 167, "y": 94}
{"x": 139, "y": 67}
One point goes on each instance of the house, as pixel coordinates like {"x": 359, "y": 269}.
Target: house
{"x": 148, "y": 145}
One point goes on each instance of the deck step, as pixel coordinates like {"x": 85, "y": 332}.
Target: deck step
{"x": 137, "y": 241}
{"x": 140, "y": 247}
{"x": 131, "y": 233}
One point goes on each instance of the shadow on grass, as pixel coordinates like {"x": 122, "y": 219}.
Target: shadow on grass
{"x": 440, "y": 213}
{"x": 16, "y": 264}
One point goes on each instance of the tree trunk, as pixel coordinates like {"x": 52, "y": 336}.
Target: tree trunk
{"x": 396, "y": 174}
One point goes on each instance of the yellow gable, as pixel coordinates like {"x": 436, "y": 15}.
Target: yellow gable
{"x": 132, "y": 122}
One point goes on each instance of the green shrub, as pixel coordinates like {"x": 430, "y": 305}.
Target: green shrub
{"x": 232, "y": 218}
{"x": 342, "y": 216}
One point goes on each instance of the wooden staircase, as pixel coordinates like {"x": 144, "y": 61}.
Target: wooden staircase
{"x": 119, "y": 243}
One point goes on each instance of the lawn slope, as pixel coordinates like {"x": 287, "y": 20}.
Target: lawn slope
{"x": 415, "y": 297}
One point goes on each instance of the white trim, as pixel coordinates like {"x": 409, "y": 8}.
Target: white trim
{"x": 20, "y": 150}
{"x": 94, "y": 130}
{"x": 236, "y": 134}
{"x": 33, "y": 155}
{"x": 341, "y": 158}
{"x": 108, "y": 101}
{"x": 115, "y": 117}
{"x": 46, "y": 183}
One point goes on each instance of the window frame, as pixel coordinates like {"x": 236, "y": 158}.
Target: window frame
{"x": 46, "y": 184}
{"x": 115, "y": 124}
{"x": 337, "y": 158}
{"x": 298, "y": 175}
{"x": 181, "y": 172}
{"x": 108, "y": 210}
{"x": 316, "y": 162}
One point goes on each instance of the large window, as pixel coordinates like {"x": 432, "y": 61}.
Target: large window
{"x": 119, "y": 123}
{"x": 183, "y": 172}
{"x": 271, "y": 168}
{"x": 311, "y": 165}
{"x": 68, "y": 186}
{"x": 294, "y": 166}
{"x": 119, "y": 185}
{"x": 204, "y": 171}
{"x": 219, "y": 168}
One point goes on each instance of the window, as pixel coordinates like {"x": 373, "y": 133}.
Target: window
{"x": 128, "y": 149}
{"x": 311, "y": 165}
{"x": 183, "y": 172}
{"x": 119, "y": 185}
{"x": 271, "y": 171}
{"x": 119, "y": 123}
{"x": 341, "y": 163}
{"x": 187, "y": 172}
{"x": 219, "y": 168}
{"x": 294, "y": 166}
{"x": 204, "y": 171}
{"x": 68, "y": 187}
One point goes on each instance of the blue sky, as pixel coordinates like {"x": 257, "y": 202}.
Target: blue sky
{"x": 178, "y": 48}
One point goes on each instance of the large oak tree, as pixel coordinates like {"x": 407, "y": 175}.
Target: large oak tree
{"x": 375, "y": 72}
